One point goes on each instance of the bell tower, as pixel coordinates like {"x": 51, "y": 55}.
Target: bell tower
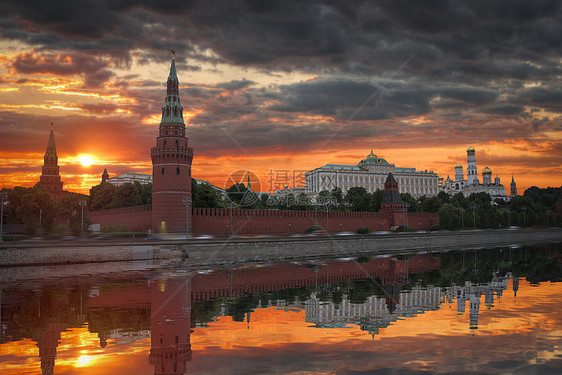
{"x": 171, "y": 164}
{"x": 50, "y": 177}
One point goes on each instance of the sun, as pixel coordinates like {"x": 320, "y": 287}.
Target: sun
{"x": 85, "y": 160}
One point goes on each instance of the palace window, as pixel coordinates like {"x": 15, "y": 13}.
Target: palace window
{"x": 178, "y": 170}
{"x": 162, "y": 170}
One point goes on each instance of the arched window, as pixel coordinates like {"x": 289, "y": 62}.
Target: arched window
{"x": 167, "y": 111}
{"x": 177, "y": 145}
{"x": 178, "y": 170}
{"x": 162, "y": 170}
{"x": 176, "y": 132}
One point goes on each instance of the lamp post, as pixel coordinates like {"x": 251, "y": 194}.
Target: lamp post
{"x": 82, "y": 203}
{"x": 406, "y": 205}
{"x": 231, "y": 221}
{"x": 3, "y": 199}
{"x": 316, "y": 212}
{"x": 508, "y": 223}
{"x": 186, "y": 203}
{"x": 474, "y": 215}
{"x": 462, "y": 217}
{"x": 524, "y": 209}
{"x": 547, "y": 217}
{"x": 327, "y": 222}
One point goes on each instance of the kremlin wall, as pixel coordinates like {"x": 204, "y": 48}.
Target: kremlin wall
{"x": 171, "y": 195}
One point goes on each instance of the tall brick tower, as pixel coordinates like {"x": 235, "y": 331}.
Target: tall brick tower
{"x": 171, "y": 164}
{"x": 50, "y": 177}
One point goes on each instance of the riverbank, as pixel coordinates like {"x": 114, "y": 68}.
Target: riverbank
{"x": 243, "y": 250}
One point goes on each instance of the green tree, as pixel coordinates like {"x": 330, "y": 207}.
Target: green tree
{"x": 37, "y": 210}
{"x": 204, "y": 195}
{"x": 101, "y": 196}
{"x": 411, "y": 201}
{"x": 376, "y": 200}
{"x": 353, "y": 192}
{"x": 336, "y": 193}
{"x": 432, "y": 204}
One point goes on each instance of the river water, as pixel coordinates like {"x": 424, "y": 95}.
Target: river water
{"x": 486, "y": 311}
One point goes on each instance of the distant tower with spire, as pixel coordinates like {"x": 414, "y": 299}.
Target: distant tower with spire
{"x": 50, "y": 177}
{"x": 471, "y": 171}
{"x": 104, "y": 176}
{"x": 171, "y": 163}
{"x": 513, "y": 192}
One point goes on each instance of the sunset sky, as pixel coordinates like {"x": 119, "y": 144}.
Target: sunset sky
{"x": 283, "y": 85}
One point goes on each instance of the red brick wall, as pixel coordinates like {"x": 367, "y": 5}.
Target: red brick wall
{"x": 136, "y": 219}
{"x": 217, "y": 221}
{"x": 416, "y": 220}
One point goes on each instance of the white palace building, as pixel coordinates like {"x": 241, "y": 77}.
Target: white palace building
{"x": 371, "y": 173}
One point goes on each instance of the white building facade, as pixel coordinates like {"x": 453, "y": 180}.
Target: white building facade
{"x": 370, "y": 174}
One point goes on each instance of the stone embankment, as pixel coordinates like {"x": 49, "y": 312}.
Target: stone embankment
{"x": 242, "y": 250}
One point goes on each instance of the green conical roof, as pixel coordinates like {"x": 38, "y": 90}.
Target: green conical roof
{"x": 173, "y": 75}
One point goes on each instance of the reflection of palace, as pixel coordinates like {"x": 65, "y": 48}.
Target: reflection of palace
{"x": 162, "y": 308}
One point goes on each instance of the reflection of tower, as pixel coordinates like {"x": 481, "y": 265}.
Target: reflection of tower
{"x": 104, "y": 176}
{"x": 489, "y": 298}
{"x": 170, "y": 324}
{"x": 471, "y": 170}
{"x": 515, "y": 286}
{"x": 474, "y": 299}
{"x": 50, "y": 177}
{"x": 392, "y": 294}
{"x": 48, "y": 343}
{"x": 461, "y": 301}
{"x": 171, "y": 164}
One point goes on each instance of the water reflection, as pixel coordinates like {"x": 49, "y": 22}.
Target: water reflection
{"x": 102, "y": 324}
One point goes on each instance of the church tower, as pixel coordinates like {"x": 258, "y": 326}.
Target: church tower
{"x": 471, "y": 170}
{"x": 513, "y": 192}
{"x": 391, "y": 200}
{"x": 104, "y": 176}
{"x": 50, "y": 177}
{"x": 171, "y": 164}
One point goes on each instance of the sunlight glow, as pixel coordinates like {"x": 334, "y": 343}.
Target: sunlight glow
{"x": 83, "y": 360}
{"x": 85, "y": 160}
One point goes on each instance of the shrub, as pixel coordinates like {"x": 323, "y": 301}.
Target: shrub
{"x": 107, "y": 229}
{"x": 403, "y": 228}
{"x": 313, "y": 228}
{"x": 363, "y": 230}
{"x": 363, "y": 259}
{"x": 122, "y": 228}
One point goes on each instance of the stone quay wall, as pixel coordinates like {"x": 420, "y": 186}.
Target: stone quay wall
{"x": 214, "y": 252}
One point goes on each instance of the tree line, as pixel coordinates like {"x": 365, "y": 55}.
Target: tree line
{"x": 36, "y": 210}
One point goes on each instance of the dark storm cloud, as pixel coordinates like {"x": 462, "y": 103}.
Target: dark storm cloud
{"x": 394, "y": 58}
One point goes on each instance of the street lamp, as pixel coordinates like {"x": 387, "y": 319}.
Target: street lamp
{"x": 186, "y": 202}
{"x": 508, "y": 223}
{"x": 327, "y": 227}
{"x": 462, "y": 217}
{"x": 3, "y": 199}
{"x": 406, "y": 205}
{"x": 82, "y": 203}
{"x": 524, "y": 217}
{"x": 231, "y": 224}
{"x": 474, "y": 215}
{"x": 547, "y": 217}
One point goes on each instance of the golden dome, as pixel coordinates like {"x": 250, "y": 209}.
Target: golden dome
{"x": 470, "y": 148}
{"x": 371, "y": 155}
{"x": 458, "y": 166}
{"x": 486, "y": 170}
